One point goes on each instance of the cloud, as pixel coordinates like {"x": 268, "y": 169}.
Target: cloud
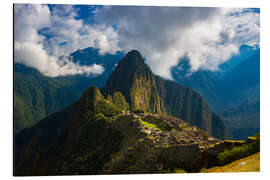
{"x": 43, "y": 35}
{"x": 34, "y": 55}
{"x": 208, "y": 36}
{"x": 243, "y": 25}
{"x": 66, "y": 28}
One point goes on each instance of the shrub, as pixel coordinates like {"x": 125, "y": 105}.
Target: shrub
{"x": 236, "y": 153}
{"x": 147, "y": 124}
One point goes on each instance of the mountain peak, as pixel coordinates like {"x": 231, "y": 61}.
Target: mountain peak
{"x": 135, "y": 80}
{"x": 144, "y": 91}
{"x": 90, "y": 98}
{"x": 133, "y": 59}
{"x": 93, "y": 91}
{"x": 134, "y": 52}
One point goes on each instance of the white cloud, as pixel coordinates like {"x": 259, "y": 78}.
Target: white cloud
{"x": 208, "y": 36}
{"x": 243, "y": 25}
{"x": 76, "y": 35}
{"x": 34, "y": 55}
{"x": 32, "y": 48}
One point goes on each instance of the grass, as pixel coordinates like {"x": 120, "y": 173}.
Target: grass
{"x": 237, "y": 141}
{"x": 247, "y": 164}
{"x": 147, "y": 124}
{"x": 161, "y": 125}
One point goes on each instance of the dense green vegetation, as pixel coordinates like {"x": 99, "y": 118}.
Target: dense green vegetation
{"x": 36, "y": 96}
{"x": 92, "y": 136}
{"x": 107, "y": 109}
{"x": 158, "y": 123}
{"x": 119, "y": 100}
{"x": 230, "y": 155}
{"x": 90, "y": 119}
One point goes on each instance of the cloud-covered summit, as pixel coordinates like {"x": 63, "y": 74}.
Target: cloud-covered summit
{"x": 207, "y": 36}
{"x": 44, "y": 34}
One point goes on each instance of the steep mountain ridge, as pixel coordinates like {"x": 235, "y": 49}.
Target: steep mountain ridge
{"x": 147, "y": 92}
{"x": 93, "y": 136}
{"x": 134, "y": 79}
{"x": 37, "y": 96}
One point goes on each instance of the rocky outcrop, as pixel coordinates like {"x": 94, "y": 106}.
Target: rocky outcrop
{"x": 119, "y": 101}
{"x": 147, "y": 92}
{"x": 135, "y": 80}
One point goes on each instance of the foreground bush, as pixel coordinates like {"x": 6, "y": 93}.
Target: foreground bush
{"x": 230, "y": 155}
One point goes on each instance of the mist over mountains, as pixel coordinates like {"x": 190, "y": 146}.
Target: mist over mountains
{"x": 235, "y": 86}
{"x": 36, "y": 95}
{"x": 215, "y": 87}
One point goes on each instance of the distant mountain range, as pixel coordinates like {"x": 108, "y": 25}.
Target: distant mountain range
{"x": 240, "y": 95}
{"x": 36, "y": 96}
{"x": 211, "y": 84}
{"x": 235, "y": 86}
{"x": 245, "y": 52}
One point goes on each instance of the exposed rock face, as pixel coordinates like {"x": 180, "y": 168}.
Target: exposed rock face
{"x": 145, "y": 91}
{"x": 134, "y": 79}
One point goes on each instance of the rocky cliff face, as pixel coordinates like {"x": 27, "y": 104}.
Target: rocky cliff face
{"x": 145, "y": 91}
{"x": 134, "y": 79}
